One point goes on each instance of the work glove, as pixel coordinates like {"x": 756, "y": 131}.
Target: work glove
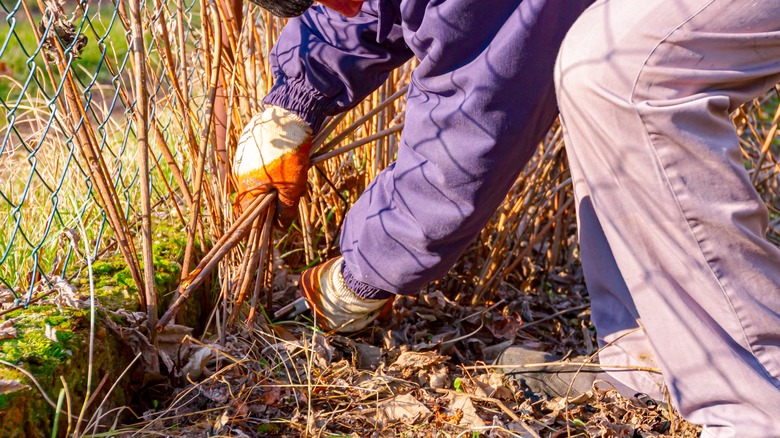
{"x": 335, "y": 305}
{"x": 273, "y": 153}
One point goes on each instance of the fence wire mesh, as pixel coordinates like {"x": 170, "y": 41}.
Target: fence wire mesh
{"x": 66, "y": 82}
{"x": 80, "y": 107}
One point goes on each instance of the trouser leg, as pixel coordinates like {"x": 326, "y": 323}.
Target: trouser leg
{"x": 622, "y": 340}
{"x": 645, "y": 91}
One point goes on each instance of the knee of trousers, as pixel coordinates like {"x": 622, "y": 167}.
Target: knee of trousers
{"x": 587, "y": 75}
{"x": 603, "y": 61}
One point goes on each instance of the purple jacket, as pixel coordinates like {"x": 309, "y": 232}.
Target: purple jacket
{"x": 479, "y": 102}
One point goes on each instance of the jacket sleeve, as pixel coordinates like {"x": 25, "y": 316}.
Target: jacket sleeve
{"x": 479, "y": 102}
{"x": 324, "y": 63}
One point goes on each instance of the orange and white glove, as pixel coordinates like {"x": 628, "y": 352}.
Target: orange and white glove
{"x": 335, "y": 305}
{"x": 273, "y": 153}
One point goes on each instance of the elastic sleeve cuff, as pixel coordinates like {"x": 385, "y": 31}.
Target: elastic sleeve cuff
{"x": 361, "y": 289}
{"x": 307, "y": 103}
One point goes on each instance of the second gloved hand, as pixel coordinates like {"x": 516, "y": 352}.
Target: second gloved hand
{"x": 273, "y": 153}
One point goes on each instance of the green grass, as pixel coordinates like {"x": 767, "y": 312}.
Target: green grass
{"x": 20, "y": 57}
{"x": 55, "y": 184}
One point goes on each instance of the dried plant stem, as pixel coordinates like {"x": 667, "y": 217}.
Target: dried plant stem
{"x": 582, "y": 365}
{"x": 32, "y": 378}
{"x": 32, "y": 301}
{"x": 382, "y": 122}
{"x": 351, "y": 128}
{"x": 90, "y": 397}
{"x": 108, "y": 196}
{"x": 770, "y": 136}
{"x": 307, "y": 231}
{"x": 204, "y": 141}
{"x": 262, "y": 271}
{"x": 554, "y": 315}
{"x": 141, "y": 113}
{"x": 539, "y": 236}
{"x": 227, "y": 242}
{"x": 68, "y": 403}
{"x": 185, "y": 97}
{"x": 371, "y": 138}
{"x": 248, "y": 266}
{"x": 171, "y": 195}
{"x": 37, "y": 33}
{"x": 81, "y": 128}
{"x": 182, "y": 98}
{"x": 230, "y": 19}
{"x": 321, "y": 136}
{"x": 92, "y": 419}
{"x": 92, "y": 314}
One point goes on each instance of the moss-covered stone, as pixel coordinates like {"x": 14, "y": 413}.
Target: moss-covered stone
{"x": 52, "y": 343}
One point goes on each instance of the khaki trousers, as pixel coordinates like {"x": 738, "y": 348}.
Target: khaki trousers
{"x": 672, "y": 232}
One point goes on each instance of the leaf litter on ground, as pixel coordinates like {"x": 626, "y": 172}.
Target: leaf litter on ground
{"x": 399, "y": 378}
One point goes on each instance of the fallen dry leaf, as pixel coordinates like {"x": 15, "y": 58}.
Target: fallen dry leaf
{"x": 410, "y": 361}
{"x": 492, "y": 384}
{"x": 135, "y": 318}
{"x": 68, "y": 295}
{"x": 368, "y": 356}
{"x": 221, "y": 421}
{"x": 172, "y": 345}
{"x": 7, "y": 297}
{"x": 404, "y": 408}
{"x": 272, "y": 395}
{"x": 7, "y": 330}
{"x": 7, "y": 386}
{"x": 323, "y": 352}
{"x": 504, "y": 327}
{"x": 434, "y": 300}
{"x": 166, "y": 360}
{"x": 218, "y": 393}
{"x": 525, "y": 430}
{"x": 462, "y": 402}
{"x": 173, "y": 333}
{"x": 440, "y": 378}
{"x": 138, "y": 343}
{"x": 194, "y": 367}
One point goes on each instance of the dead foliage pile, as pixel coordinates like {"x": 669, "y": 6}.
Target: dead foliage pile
{"x": 424, "y": 372}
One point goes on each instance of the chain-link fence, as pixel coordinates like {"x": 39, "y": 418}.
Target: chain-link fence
{"x": 67, "y": 134}
{"x": 88, "y": 89}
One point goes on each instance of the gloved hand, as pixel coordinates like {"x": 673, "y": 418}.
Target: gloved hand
{"x": 336, "y": 306}
{"x": 273, "y": 152}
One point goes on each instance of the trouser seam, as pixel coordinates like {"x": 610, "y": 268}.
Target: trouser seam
{"x": 681, "y": 210}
